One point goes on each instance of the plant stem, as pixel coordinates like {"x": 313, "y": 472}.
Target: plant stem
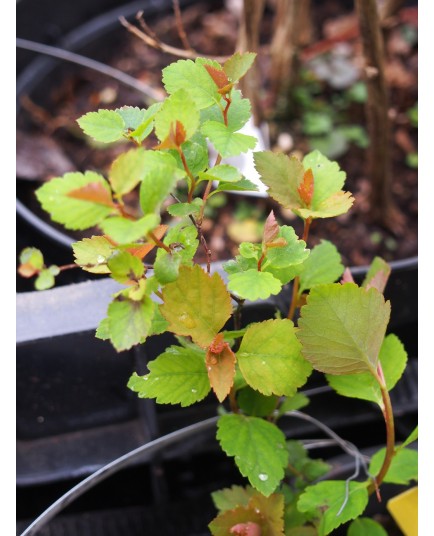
{"x": 377, "y": 106}
{"x": 390, "y": 433}
{"x": 158, "y": 242}
{"x": 68, "y": 267}
{"x": 296, "y": 284}
{"x": 233, "y": 400}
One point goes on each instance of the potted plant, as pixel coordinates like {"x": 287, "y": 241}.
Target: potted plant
{"x": 256, "y": 368}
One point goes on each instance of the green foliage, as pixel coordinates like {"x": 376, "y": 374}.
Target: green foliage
{"x": 259, "y": 366}
{"x": 342, "y": 328}
{"x": 124, "y": 231}
{"x": 258, "y": 447}
{"x": 270, "y": 360}
{"x": 402, "y": 470}
{"x": 410, "y": 439}
{"x": 177, "y": 376}
{"x": 104, "y": 125}
{"x": 76, "y": 213}
{"x": 321, "y": 267}
{"x": 329, "y": 497}
{"x": 393, "y": 359}
{"x": 363, "y": 526}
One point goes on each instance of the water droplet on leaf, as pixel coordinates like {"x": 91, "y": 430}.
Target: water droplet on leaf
{"x": 194, "y": 390}
{"x": 187, "y": 320}
{"x": 100, "y": 259}
{"x": 263, "y": 477}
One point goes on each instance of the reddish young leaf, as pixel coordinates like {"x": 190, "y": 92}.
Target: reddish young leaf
{"x": 27, "y": 270}
{"x": 94, "y": 192}
{"x": 306, "y": 187}
{"x": 219, "y": 76}
{"x": 177, "y": 136}
{"x": 271, "y": 229}
{"x": 141, "y": 251}
{"x": 246, "y": 529}
{"x": 220, "y": 363}
{"x": 347, "y": 276}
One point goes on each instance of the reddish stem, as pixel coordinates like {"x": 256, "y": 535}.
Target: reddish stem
{"x": 158, "y": 242}
{"x": 68, "y": 267}
{"x": 261, "y": 260}
{"x": 390, "y": 433}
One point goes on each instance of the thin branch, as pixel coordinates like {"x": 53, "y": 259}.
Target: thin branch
{"x": 180, "y": 26}
{"x": 72, "y": 57}
{"x": 163, "y": 47}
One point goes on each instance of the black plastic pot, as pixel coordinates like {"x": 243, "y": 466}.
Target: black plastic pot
{"x": 189, "y": 509}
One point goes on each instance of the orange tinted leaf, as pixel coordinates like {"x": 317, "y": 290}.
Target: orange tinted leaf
{"x": 94, "y": 192}
{"x": 218, "y": 75}
{"x": 176, "y": 137}
{"x": 277, "y": 243}
{"x": 223, "y": 524}
{"x": 347, "y": 276}
{"x": 27, "y": 270}
{"x": 306, "y": 187}
{"x": 196, "y": 304}
{"x": 220, "y": 363}
{"x": 142, "y": 250}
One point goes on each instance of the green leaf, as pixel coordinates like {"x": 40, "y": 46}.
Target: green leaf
{"x": 393, "y": 359}
{"x": 322, "y": 266}
{"x": 412, "y": 437}
{"x": 364, "y": 526}
{"x": 226, "y": 142}
{"x": 166, "y": 267}
{"x": 182, "y": 238}
{"x": 91, "y": 254}
{"x": 253, "y": 285}
{"x": 292, "y": 254}
{"x": 330, "y": 496}
{"x": 143, "y": 130}
{"x": 258, "y": 447}
{"x": 127, "y": 171}
{"x": 160, "y": 179}
{"x": 103, "y": 329}
{"x": 133, "y": 116}
{"x": 104, "y": 125}
{"x": 185, "y": 209}
{"x": 229, "y": 498}
{"x": 178, "y": 376}
{"x": 306, "y": 469}
{"x": 31, "y": 262}
{"x": 256, "y": 404}
{"x": 178, "y": 107}
{"x": 33, "y": 257}
{"x": 342, "y": 327}
{"x": 402, "y": 470}
{"x": 194, "y": 78}
{"x": 238, "y": 64}
{"x": 45, "y": 279}
{"x": 73, "y": 213}
{"x": 196, "y": 304}
{"x": 129, "y": 321}
{"x": 195, "y": 153}
{"x": 377, "y": 275}
{"x": 328, "y": 178}
{"x": 297, "y": 401}
{"x": 282, "y": 174}
{"x": 238, "y": 113}
{"x": 125, "y": 231}
{"x": 270, "y": 360}
{"x": 243, "y": 185}
{"x": 125, "y": 267}
{"x": 223, "y": 172}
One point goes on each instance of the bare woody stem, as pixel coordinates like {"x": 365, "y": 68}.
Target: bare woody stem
{"x": 296, "y": 284}
{"x": 377, "y": 106}
{"x": 390, "y": 433}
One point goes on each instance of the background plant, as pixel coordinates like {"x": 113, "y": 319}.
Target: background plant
{"x": 256, "y": 370}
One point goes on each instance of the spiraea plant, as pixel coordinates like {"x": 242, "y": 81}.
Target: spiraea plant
{"x": 254, "y": 370}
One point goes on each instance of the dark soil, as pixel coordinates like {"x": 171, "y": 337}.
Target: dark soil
{"x": 48, "y": 132}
